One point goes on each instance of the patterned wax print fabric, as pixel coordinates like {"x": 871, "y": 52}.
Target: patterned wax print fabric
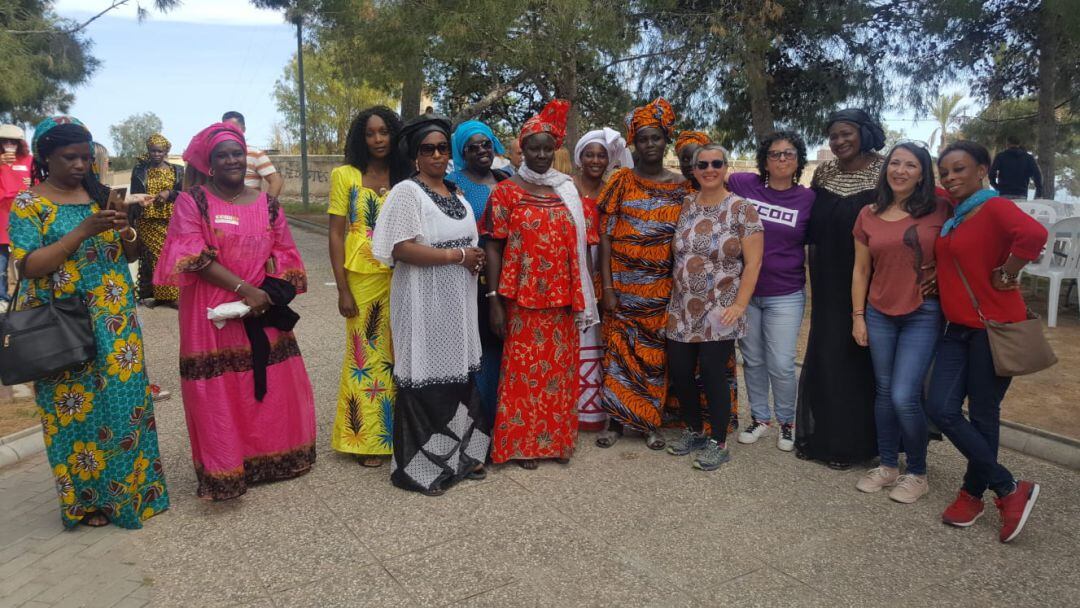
{"x": 364, "y": 423}
{"x": 540, "y": 280}
{"x": 237, "y": 440}
{"x": 152, "y": 226}
{"x": 639, "y": 217}
{"x": 440, "y": 432}
{"x": 591, "y": 417}
{"x": 708, "y": 268}
{"x": 98, "y": 420}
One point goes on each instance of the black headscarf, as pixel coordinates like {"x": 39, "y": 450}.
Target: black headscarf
{"x": 871, "y": 135}
{"x": 417, "y": 129}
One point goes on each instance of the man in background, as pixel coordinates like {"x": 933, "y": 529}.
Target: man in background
{"x": 1012, "y": 169}
{"x": 513, "y": 152}
{"x": 259, "y": 167}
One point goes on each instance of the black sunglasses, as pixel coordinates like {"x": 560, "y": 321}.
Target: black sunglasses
{"x": 429, "y": 149}
{"x": 477, "y": 146}
{"x": 778, "y": 154}
{"x": 716, "y": 163}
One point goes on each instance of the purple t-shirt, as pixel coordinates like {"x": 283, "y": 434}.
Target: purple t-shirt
{"x": 785, "y": 215}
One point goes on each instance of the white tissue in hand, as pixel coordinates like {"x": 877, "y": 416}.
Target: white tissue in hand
{"x": 229, "y": 310}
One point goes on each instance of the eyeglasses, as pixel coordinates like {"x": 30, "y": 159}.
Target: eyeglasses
{"x": 715, "y": 164}
{"x": 477, "y": 146}
{"x": 783, "y": 154}
{"x": 430, "y": 149}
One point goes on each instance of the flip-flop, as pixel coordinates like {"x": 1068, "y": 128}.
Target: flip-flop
{"x": 95, "y": 519}
{"x": 528, "y": 465}
{"x": 655, "y": 441}
{"x": 371, "y": 462}
{"x": 477, "y": 474}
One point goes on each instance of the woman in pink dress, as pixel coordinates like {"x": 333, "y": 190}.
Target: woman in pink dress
{"x": 247, "y": 398}
{"x": 15, "y": 165}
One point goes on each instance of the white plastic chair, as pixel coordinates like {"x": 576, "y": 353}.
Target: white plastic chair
{"x": 1060, "y": 262}
{"x": 1045, "y": 214}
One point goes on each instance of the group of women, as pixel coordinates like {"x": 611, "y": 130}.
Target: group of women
{"x": 491, "y": 314}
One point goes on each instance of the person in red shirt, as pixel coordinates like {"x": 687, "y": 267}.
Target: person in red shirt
{"x": 988, "y": 239}
{"x": 15, "y": 167}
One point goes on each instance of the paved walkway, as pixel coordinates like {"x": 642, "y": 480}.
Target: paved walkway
{"x": 623, "y": 526}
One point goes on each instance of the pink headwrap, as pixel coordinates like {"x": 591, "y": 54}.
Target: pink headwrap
{"x": 198, "y": 150}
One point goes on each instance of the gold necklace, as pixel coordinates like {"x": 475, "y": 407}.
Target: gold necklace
{"x": 58, "y": 188}
{"x": 222, "y": 194}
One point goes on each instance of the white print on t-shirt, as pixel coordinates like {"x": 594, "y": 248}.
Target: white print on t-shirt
{"x": 227, "y": 219}
{"x": 776, "y": 213}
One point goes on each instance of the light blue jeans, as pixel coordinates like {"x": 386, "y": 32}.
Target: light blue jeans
{"x": 768, "y": 351}
{"x": 902, "y": 348}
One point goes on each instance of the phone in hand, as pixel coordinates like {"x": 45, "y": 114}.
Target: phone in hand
{"x": 116, "y": 197}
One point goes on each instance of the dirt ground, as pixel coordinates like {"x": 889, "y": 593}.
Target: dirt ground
{"x": 16, "y": 415}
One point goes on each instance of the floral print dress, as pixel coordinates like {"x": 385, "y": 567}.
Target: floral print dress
{"x": 98, "y": 420}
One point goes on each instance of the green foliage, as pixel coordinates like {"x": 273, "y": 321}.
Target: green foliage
{"x": 129, "y": 138}
{"x": 332, "y": 102}
{"x": 42, "y": 59}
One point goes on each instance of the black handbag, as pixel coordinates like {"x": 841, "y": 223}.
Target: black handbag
{"x": 39, "y": 342}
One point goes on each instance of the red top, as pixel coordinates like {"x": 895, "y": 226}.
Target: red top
{"x": 13, "y": 180}
{"x": 540, "y": 263}
{"x": 979, "y": 244}
{"x": 898, "y": 251}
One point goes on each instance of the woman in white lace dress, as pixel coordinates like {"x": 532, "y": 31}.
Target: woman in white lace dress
{"x": 427, "y": 232}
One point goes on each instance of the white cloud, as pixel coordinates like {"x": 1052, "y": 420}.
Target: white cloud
{"x": 220, "y": 12}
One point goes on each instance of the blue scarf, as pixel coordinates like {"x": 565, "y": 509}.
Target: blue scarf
{"x": 461, "y": 137}
{"x": 970, "y": 204}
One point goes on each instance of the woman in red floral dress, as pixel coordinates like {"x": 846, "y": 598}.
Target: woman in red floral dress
{"x": 541, "y": 297}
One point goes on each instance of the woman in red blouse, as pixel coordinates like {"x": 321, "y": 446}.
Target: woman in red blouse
{"x": 15, "y": 166}
{"x": 541, "y": 297}
{"x": 987, "y": 241}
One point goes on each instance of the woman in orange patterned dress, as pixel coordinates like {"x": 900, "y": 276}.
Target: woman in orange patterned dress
{"x": 541, "y": 297}
{"x": 639, "y": 208}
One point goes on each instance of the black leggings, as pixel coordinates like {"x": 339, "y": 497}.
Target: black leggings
{"x": 711, "y": 358}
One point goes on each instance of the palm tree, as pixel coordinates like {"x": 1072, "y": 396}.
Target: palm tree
{"x": 946, "y": 111}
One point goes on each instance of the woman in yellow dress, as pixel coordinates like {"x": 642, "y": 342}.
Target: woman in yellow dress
{"x": 364, "y": 422}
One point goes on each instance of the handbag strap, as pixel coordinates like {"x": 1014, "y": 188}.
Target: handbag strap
{"x": 971, "y": 294}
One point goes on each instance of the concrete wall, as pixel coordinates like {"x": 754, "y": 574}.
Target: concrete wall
{"x": 319, "y": 168}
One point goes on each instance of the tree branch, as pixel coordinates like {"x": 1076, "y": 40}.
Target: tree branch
{"x": 115, "y": 4}
{"x": 487, "y": 100}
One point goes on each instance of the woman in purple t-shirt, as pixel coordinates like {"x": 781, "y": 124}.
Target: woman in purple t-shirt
{"x": 775, "y": 313}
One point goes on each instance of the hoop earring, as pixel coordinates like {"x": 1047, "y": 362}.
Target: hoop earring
{"x": 211, "y": 173}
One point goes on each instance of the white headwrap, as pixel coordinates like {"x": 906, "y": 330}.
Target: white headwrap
{"x": 564, "y": 186}
{"x": 618, "y": 153}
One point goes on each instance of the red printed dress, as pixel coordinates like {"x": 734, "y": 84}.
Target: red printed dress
{"x": 540, "y": 281}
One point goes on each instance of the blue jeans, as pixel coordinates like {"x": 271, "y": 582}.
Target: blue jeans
{"x": 902, "y": 348}
{"x": 4, "y": 253}
{"x": 768, "y": 350}
{"x": 964, "y": 368}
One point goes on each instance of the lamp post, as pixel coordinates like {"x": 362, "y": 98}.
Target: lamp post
{"x": 299, "y": 20}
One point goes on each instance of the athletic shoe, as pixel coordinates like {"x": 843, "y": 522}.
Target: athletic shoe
{"x": 688, "y": 442}
{"x": 3, "y": 306}
{"x": 963, "y": 511}
{"x": 753, "y": 432}
{"x": 712, "y": 456}
{"x": 786, "y": 439}
{"x": 1015, "y": 508}
{"x": 159, "y": 394}
{"x": 877, "y": 478}
{"x": 909, "y": 488}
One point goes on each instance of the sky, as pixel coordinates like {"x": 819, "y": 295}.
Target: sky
{"x": 191, "y": 64}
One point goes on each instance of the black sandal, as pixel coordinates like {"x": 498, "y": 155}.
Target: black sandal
{"x": 528, "y": 465}
{"x": 477, "y": 474}
{"x": 836, "y": 465}
{"x": 655, "y": 441}
{"x": 434, "y": 492}
{"x": 95, "y": 519}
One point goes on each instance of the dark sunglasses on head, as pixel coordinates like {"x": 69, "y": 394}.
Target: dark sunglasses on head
{"x": 716, "y": 163}
{"x": 477, "y": 146}
{"x": 778, "y": 154}
{"x": 429, "y": 149}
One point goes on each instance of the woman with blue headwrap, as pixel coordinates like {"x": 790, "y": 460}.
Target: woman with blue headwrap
{"x": 474, "y": 147}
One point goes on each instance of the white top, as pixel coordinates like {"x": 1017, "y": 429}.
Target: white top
{"x": 433, "y": 316}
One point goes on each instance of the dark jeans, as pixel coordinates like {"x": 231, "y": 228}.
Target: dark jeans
{"x": 5, "y": 251}
{"x": 902, "y": 348}
{"x": 963, "y": 369}
{"x": 712, "y": 357}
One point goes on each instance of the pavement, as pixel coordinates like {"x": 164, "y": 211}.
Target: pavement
{"x": 623, "y": 526}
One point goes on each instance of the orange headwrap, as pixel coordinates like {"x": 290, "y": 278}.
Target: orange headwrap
{"x": 550, "y": 120}
{"x": 691, "y": 137}
{"x": 656, "y": 114}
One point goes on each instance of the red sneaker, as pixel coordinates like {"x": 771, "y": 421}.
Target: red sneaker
{"x": 158, "y": 394}
{"x": 963, "y": 511}
{"x": 1015, "y": 508}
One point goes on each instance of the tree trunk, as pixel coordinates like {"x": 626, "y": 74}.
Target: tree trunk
{"x": 566, "y": 88}
{"x": 757, "y": 87}
{"x": 1046, "y": 130}
{"x": 411, "y": 91}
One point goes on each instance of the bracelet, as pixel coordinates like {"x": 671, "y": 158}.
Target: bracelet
{"x": 491, "y": 294}
{"x": 858, "y": 314}
{"x": 134, "y": 235}
{"x": 607, "y": 287}
{"x": 1008, "y": 278}
{"x": 462, "y": 261}
{"x": 238, "y": 286}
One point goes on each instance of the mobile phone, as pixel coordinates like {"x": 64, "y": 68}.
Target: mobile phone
{"x": 116, "y": 196}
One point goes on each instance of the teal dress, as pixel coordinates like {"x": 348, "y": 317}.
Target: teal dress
{"x": 98, "y": 420}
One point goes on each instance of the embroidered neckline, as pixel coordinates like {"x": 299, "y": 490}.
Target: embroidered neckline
{"x": 450, "y": 205}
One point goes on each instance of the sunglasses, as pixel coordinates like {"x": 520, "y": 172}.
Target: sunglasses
{"x": 783, "y": 154}
{"x": 915, "y": 142}
{"x": 430, "y": 149}
{"x": 715, "y": 164}
{"x": 477, "y": 146}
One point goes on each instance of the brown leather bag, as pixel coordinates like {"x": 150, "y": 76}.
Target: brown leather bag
{"x": 1018, "y": 348}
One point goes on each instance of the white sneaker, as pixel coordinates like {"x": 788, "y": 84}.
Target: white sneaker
{"x": 3, "y": 306}
{"x": 786, "y": 439}
{"x": 753, "y": 432}
{"x": 877, "y": 478}
{"x": 909, "y": 488}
